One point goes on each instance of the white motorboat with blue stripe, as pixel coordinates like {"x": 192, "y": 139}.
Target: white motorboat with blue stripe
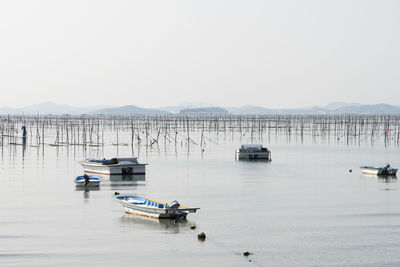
{"x": 377, "y": 170}
{"x": 155, "y": 209}
{"x": 87, "y": 181}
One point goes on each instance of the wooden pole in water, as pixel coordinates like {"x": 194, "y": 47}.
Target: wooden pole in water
{"x": 187, "y": 126}
{"x": 43, "y": 133}
{"x": 132, "y": 137}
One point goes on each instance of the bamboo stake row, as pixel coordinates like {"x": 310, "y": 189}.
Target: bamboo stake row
{"x": 90, "y": 130}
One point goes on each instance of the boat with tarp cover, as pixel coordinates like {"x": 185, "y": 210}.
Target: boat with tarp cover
{"x": 377, "y": 170}
{"x": 114, "y": 166}
{"x": 253, "y": 151}
{"x": 154, "y": 209}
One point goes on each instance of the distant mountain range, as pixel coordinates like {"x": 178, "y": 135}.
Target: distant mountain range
{"x": 332, "y": 108}
{"x": 203, "y": 108}
{"x": 51, "y": 108}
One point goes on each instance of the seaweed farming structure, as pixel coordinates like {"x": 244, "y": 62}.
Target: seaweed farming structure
{"x": 194, "y": 132}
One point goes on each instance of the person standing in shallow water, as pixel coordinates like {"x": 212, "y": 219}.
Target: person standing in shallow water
{"x": 23, "y": 128}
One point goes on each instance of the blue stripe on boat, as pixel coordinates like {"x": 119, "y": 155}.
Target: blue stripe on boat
{"x": 79, "y": 178}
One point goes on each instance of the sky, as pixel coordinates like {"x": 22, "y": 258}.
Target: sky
{"x": 274, "y": 54}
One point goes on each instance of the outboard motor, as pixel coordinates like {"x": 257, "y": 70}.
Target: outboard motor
{"x": 173, "y": 204}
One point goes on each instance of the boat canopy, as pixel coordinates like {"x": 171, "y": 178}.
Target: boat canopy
{"x": 114, "y": 160}
{"x": 104, "y": 161}
{"x": 252, "y": 146}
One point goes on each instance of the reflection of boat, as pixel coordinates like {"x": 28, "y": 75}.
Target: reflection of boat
{"x": 87, "y": 189}
{"x": 376, "y": 170}
{"x": 122, "y": 180}
{"x": 151, "y": 208}
{"x": 381, "y": 178}
{"x": 170, "y": 225}
{"x": 127, "y": 178}
{"x": 114, "y": 166}
{"x": 87, "y": 181}
{"x": 253, "y": 152}
{"x": 387, "y": 179}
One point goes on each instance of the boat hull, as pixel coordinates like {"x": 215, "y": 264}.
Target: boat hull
{"x": 133, "y": 169}
{"x": 155, "y": 215}
{"x": 370, "y": 171}
{"x": 250, "y": 155}
{"x": 90, "y": 184}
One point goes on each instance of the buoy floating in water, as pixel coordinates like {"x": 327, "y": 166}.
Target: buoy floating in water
{"x": 193, "y": 227}
{"x": 201, "y": 236}
{"x": 246, "y": 253}
{"x": 350, "y": 170}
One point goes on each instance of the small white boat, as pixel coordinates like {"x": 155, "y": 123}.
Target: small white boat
{"x": 154, "y": 209}
{"x": 113, "y": 166}
{"x": 253, "y": 152}
{"x": 87, "y": 181}
{"x": 377, "y": 170}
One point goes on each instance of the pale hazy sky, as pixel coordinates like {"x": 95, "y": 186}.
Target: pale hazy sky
{"x": 150, "y": 53}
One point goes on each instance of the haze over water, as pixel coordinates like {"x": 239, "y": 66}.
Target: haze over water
{"x": 302, "y": 209}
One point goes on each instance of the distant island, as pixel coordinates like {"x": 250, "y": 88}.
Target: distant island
{"x": 205, "y": 111}
{"x": 129, "y": 110}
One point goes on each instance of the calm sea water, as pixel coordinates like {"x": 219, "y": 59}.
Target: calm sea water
{"x": 302, "y": 209}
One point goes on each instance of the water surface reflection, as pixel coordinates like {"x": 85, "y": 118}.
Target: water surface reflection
{"x": 381, "y": 178}
{"x": 168, "y": 225}
{"x": 123, "y": 180}
{"x": 86, "y": 191}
